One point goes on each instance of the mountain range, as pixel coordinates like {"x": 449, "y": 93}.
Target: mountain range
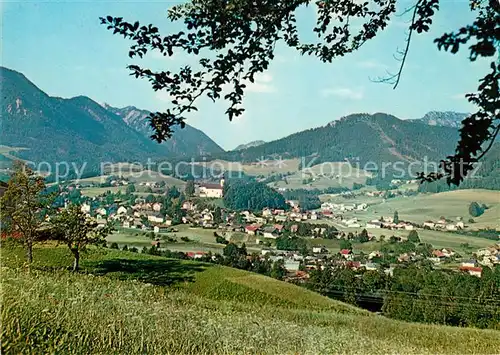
{"x": 78, "y": 129}
{"x": 188, "y": 141}
{"x": 365, "y": 137}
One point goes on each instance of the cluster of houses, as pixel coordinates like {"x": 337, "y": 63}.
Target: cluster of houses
{"x": 444, "y": 225}
{"x": 341, "y": 207}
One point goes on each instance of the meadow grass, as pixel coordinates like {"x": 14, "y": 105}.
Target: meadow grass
{"x": 424, "y": 207}
{"x": 96, "y": 191}
{"x": 126, "y": 303}
{"x": 325, "y": 175}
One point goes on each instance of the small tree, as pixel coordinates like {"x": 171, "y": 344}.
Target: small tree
{"x": 396, "y": 217}
{"x": 130, "y": 189}
{"x": 413, "y": 237}
{"x": 475, "y": 210}
{"x": 278, "y": 270}
{"x": 78, "y": 230}
{"x": 189, "y": 190}
{"x": 24, "y": 206}
{"x": 345, "y": 244}
{"x": 363, "y": 236}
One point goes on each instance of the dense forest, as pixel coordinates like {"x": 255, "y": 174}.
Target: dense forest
{"x": 253, "y": 196}
{"x": 376, "y": 138}
{"x": 418, "y": 293}
{"x": 486, "y": 176}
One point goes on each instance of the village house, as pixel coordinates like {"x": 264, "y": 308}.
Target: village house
{"x": 469, "y": 263}
{"x": 352, "y": 223}
{"x": 270, "y": 232}
{"x": 347, "y": 254}
{"x": 161, "y": 228}
{"x": 318, "y": 250}
{"x": 370, "y": 266}
{"x": 252, "y": 229}
{"x": 291, "y": 265}
{"x": 155, "y": 218}
{"x": 429, "y": 224}
{"x": 472, "y": 270}
{"x": 374, "y": 224}
{"x": 361, "y": 206}
{"x": 211, "y": 190}
{"x": 156, "y": 206}
{"x": 101, "y": 211}
{"x": 85, "y": 208}
{"x": 188, "y": 206}
{"x": 196, "y": 255}
{"x": 374, "y": 254}
{"x": 265, "y": 251}
{"x": 266, "y": 212}
{"x": 280, "y": 218}
{"x": 279, "y": 228}
{"x": 122, "y": 210}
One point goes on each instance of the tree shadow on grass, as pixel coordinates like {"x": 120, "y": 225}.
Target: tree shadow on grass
{"x": 165, "y": 272}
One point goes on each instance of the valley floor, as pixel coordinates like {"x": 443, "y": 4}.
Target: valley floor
{"x": 124, "y": 302}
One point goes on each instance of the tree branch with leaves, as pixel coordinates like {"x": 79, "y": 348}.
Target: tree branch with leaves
{"x": 236, "y": 39}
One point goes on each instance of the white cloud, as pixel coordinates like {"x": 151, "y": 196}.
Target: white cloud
{"x": 262, "y": 83}
{"x": 458, "y": 97}
{"x": 371, "y": 64}
{"x": 343, "y": 93}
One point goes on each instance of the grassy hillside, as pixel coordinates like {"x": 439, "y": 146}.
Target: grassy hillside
{"x": 325, "y": 175}
{"x": 132, "y": 303}
{"x": 422, "y": 207}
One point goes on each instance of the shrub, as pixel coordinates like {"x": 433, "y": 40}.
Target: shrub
{"x": 114, "y": 246}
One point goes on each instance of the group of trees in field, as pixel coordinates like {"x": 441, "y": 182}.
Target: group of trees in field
{"x": 476, "y": 210}
{"x": 28, "y": 212}
{"x": 308, "y": 199}
{"x": 417, "y": 293}
{"x": 253, "y": 196}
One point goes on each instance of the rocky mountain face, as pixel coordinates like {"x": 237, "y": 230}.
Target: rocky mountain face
{"x": 80, "y": 130}
{"x": 443, "y": 118}
{"x": 188, "y": 141}
{"x": 249, "y": 145}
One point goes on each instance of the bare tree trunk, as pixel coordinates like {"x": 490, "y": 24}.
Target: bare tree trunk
{"x": 76, "y": 263}
{"x": 29, "y": 250}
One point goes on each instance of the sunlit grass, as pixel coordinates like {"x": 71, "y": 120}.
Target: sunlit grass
{"x": 119, "y": 304}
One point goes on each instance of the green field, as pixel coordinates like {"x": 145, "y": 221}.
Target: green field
{"x": 266, "y": 168}
{"x": 201, "y": 239}
{"x": 130, "y": 303}
{"x": 96, "y": 191}
{"x": 325, "y": 175}
{"x": 424, "y": 207}
{"x": 6, "y": 151}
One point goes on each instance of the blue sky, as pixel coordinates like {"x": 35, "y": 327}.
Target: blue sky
{"x": 62, "y": 48}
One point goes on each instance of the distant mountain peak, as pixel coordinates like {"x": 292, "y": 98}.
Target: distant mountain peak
{"x": 443, "y": 118}
{"x": 188, "y": 140}
{"x": 250, "y": 144}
